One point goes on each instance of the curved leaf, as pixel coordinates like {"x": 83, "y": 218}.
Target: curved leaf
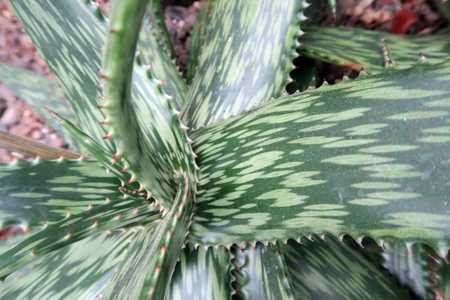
{"x": 70, "y": 38}
{"x": 38, "y": 91}
{"x": 249, "y": 47}
{"x": 78, "y": 271}
{"x": 367, "y": 157}
{"x": 34, "y": 194}
{"x": 148, "y": 267}
{"x": 147, "y": 130}
{"x": 201, "y": 274}
{"x": 374, "y": 51}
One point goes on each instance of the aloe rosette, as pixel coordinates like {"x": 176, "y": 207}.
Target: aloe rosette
{"x": 218, "y": 184}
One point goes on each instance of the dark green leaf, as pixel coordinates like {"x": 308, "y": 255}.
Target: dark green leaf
{"x": 146, "y": 271}
{"x": 144, "y": 125}
{"x": 249, "y": 47}
{"x": 374, "y": 51}
{"x": 155, "y": 52}
{"x": 70, "y": 38}
{"x": 326, "y": 269}
{"x": 79, "y": 271}
{"x": 367, "y": 157}
{"x": 201, "y": 274}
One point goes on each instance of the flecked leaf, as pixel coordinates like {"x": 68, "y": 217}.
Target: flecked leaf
{"x": 147, "y": 130}
{"x": 326, "y": 269}
{"x": 155, "y": 53}
{"x": 201, "y": 274}
{"x": 367, "y": 157}
{"x": 78, "y": 271}
{"x": 38, "y": 91}
{"x": 249, "y": 47}
{"x": 113, "y": 211}
{"x": 146, "y": 271}
{"x": 70, "y": 38}
{"x": 374, "y": 51}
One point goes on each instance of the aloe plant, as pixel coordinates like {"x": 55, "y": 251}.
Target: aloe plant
{"x": 219, "y": 185}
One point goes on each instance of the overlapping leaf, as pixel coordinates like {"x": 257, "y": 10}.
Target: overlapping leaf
{"x": 144, "y": 124}
{"x": 79, "y": 271}
{"x": 70, "y": 38}
{"x": 61, "y": 203}
{"x": 247, "y": 55}
{"x": 364, "y": 157}
{"x": 374, "y": 51}
{"x": 146, "y": 272}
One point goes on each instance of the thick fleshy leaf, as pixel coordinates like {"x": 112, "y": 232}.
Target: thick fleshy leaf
{"x": 37, "y": 193}
{"x": 201, "y": 274}
{"x": 38, "y": 91}
{"x": 326, "y": 269}
{"x": 155, "y": 53}
{"x": 150, "y": 262}
{"x": 374, "y": 51}
{"x": 30, "y": 147}
{"x": 70, "y": 38}
{"x": 90, "y": 147}
{"x": 68, "y": 208}
{"x": 197, "y": 38}
{"x": 249, "y": 47}
{"x": 146, "y": 129}
{"x": 79, "y": 271}
{"x": 367, "y": 157}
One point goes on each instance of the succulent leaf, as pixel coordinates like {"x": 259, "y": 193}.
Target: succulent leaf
{"x": 112, "y": 212}
{"x": 201, "y": 274}
{"x": 146, "y": 129}
{"x": 88, "y": 264}
{"x": 70, "y": 38}
{"x": 146, "y": 271}
{"x": 366, "y": 157}
{"x": 373, "y": 51}
{"x": 326, "y": 269}
{"x": 248, "y": 55}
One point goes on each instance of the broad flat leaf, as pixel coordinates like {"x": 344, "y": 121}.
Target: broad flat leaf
{"x": 372, "y": 50}
{"x": 34, "y": 194}
{"x": 78, "y": 271}
{"x": 249, "y": 47}
{"x": 201, "y": 274}
{"x": 70, "y": 38}
{"x": 146, "y": 129}
{"x": 28, "y": 146}
{"x": 148, "y": 267}
{"x": 367, "y": 157}
{"x": 326, "y": 269}
{"x": 38, "y": 91}
{"x": 67, "y": 207}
